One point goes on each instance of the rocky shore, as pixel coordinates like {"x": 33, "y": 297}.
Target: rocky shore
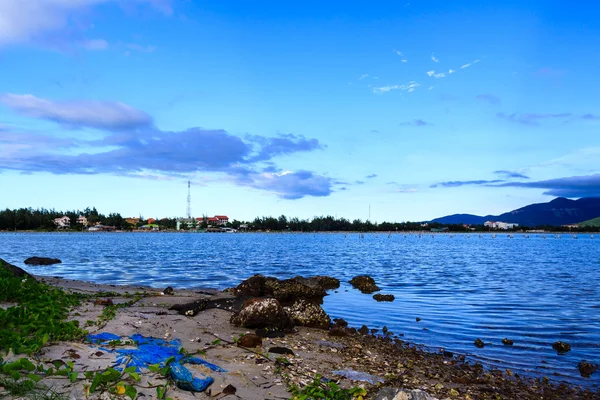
{"x": 270, "y": 338}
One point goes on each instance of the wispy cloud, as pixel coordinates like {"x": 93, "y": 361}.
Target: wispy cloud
{"x": 416, "y": 122}
{"x": 94, "y": 44}
{"x": 409, "y": 87}
{"x": 430, "y": 73}
{"x": 451, "y": 184}
{"x": 140, "y": 48}
{"x": 467, "y": 65}
{"x": 398, "y": 52}
{"x": 434, "y": 59}
{"x": 371, "y": 176}
{"x": 590, "y": 117}
{"x": 439, "y": 75}
{"x": 488, "y": 98}
{"x": 532, "y": 118}
{"x": 511, "y": 174}
{"x": 363, "y": 76}
{"x": 79, "y": 113}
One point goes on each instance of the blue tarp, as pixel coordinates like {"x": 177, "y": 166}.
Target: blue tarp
{"x": 151, "y": 351}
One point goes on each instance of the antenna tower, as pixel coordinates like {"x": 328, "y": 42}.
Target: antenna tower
{"x": 189, "y": 201}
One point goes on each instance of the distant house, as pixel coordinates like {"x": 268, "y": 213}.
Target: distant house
{"x": 222, "y": 219}
{"x": 102, "y": 228}
{"x": 132, "y": 221}
{"x": 63, "y": 222}
{"x": 151, "y": 221}
{"x": 213, "y": 221}
{"x": 82, "y": 220}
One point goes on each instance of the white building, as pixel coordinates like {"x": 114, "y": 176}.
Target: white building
{"x": 82, "y": 220}
{"x": 500, "y": 225}
{"x": 63, "y": 222}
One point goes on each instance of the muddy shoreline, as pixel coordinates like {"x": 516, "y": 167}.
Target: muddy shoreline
{"x": 267, "y": 369}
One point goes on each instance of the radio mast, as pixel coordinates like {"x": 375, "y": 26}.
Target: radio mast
{"x": 189, "y": 201}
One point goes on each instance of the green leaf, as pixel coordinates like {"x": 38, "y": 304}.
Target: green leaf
{"x": 130, "y": 391}
{"x": 129, "y": 370}
{"x": 34, "y": 377}
{"x": 73, "y": 376}
{"x": 135, "y": 376}
{"x": 45, "y": 338}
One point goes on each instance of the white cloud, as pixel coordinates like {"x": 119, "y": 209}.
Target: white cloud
{"x": 407, "y": 190}
{"x": 404, "y": 60}
{"x": 467, "y": 65}
{"x": 440, "y": 75}
{"x": 23, "y": 21}
{"x": 363, "y": 76}
{"x": 451, "y": 71}
{"x": 94, "y": 44}
{"x": 431, "y": 73}
{"x": 434, "y": 59}
{"x": 397, "y": 52}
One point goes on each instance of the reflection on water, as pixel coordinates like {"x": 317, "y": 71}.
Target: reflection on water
{"x": 532, "y": 290}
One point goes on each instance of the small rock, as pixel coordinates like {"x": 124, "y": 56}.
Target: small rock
{"x": 168, "y": 291}
{"x": 417, "y": 319}
{"x": 390, "y": 393}
{"x": 338, "y": 331}
{"x": 190, "y": 309}
{"x": 250, "y": 340}
{"x": 384, "y": 297}
{"x": 363, "y": 330}
{"x": 561, "y": 347}
{"x": 42, "y": 261}
{"x": 479, "y": 343}
{"x": 340, "y": 322}
{"x": 229, "y": 389}
{"x": 586, "y": 369}
{"x": 269, "y": 333}
{"x": 448, "y": 354}
{"x": 507, "y": 342}
{"x": 364, "y": 283}
{"x": 103, "y": 302}
{"x": 281, "y": 350}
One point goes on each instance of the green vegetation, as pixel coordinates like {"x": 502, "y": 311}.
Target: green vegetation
{"x": 595, "y": 223}
{"x": 38, "y": 316}
{"x": 320, "y": 390}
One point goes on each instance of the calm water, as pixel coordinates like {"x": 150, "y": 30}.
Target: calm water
{"x": 532, "y": 290}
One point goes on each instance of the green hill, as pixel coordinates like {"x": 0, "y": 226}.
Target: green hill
{"x": 592, "y": 222}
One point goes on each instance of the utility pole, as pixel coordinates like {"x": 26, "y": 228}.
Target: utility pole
{"x": 189, "y": 201}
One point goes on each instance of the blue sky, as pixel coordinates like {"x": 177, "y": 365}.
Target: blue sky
{"x": 416, "y": 109}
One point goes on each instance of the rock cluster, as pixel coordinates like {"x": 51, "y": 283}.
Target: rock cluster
{"x": 286, "y": 290}
{"x": 281, "y": 304}
{"x": 365, "y": 284}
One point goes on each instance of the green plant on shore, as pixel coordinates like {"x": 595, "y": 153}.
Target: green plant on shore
{"x": 321, "y": 390}
{"x": 38, "y": 316}
{"x": 110, "y": 311}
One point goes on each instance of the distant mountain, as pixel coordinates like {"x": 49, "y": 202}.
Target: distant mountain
{"x": 592, "y": 222}
{"x": 559, "y": 211}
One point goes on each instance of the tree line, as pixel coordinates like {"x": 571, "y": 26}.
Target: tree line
{"x": 24, "y": 219}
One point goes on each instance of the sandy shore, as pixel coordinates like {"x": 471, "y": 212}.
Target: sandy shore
{"x": 258, "y": 373}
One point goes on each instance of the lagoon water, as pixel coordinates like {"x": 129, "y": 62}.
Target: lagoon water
{"x": 534, "y": 290}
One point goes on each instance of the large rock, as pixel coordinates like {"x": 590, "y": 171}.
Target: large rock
{"x": 13, "y": 269}
{"x": 263, "y": 313}
{"x": 305, "y": 313}
{"x": 290, "y": 290}
{"x": 402, "y": 394}
{"x": 42, "y": 261}
{"x": 365, "y": 284}
{"x": 286, "y": 291}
